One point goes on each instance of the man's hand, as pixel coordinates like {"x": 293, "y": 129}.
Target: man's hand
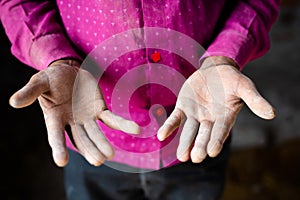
{"x": 208, "y": 104}
{"x": 54, "y": 89}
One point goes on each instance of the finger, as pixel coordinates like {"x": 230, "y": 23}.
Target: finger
{"x": 171, "y": 123}
{"x": 248, "y": 92}
{"x": 30, "y": 92}
{"x": 219, "y": 133}
{"x": 99, "y": 139}
{"x": 118, "y": 123}
{"x": 85, "y": 146}
{"x": 199, "y": 152}
{"x": 187, "y": 138}
{"x": 57, "y": 141}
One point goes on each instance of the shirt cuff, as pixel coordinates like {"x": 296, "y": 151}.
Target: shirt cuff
{"x": 49, "y": 48}
{"x": 237, "y": 46}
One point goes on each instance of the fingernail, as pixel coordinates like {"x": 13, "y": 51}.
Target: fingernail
{"x": 270, "y": 114}
{"x": 132, "y": 128}
{"x": 97, "y": 163}
{"x": 215, "y": 149}
{"x": 60, "y": 159}
{"x": 135, "y": 128}
{"x": 160, "y": 137}
{"x": 183, "y": 157}
{"x": 12, "y": 102}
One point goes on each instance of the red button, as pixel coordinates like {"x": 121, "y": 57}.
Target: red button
{"x": 159, "y": 112}
{"x": 156, "y": 57}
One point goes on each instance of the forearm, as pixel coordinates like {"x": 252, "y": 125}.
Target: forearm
{"x": 244, "y": 32}
{"x": 35, "y": 32}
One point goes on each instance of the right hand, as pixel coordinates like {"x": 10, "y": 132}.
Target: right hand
{"x": 53, "y": 87}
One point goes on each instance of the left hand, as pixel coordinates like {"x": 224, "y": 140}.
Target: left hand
{"x": 208, "y": 104}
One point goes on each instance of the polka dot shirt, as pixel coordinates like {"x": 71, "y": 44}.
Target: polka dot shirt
{"x": 140, "y": 78}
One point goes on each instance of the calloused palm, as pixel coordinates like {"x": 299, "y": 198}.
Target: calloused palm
{"x": 208, "y": 104}
{"x": 79, "y": 106}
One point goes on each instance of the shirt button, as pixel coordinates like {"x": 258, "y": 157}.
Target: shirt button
{"x": 156, "y": 56}
{"x": 159, "y": 112}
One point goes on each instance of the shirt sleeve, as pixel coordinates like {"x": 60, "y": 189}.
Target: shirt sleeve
{"x": 244, "y": 35}
{"x": 35, "y": 32}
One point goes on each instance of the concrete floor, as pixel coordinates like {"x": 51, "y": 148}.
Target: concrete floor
{"x": 265, "y": 154}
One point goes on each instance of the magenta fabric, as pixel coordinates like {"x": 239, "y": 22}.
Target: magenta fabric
{"x": 42, "y": 32}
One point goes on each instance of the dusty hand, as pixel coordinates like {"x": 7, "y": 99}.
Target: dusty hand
{"x": 208, "y": 104}
{"x": 53, "y": 87}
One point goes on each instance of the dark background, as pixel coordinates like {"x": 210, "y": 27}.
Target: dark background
{"x": 27, "y": 169}
{"x": 265, "y": 154}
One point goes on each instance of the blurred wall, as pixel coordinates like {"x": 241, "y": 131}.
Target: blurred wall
{"x": 27, "y": 169}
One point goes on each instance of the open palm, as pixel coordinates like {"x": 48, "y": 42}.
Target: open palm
{"x": 208, "y": 104}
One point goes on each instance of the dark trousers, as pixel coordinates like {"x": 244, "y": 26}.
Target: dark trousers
{"x": 189, "y": 181}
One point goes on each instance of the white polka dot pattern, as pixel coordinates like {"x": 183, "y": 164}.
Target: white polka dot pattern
{"x": 90, "y": 22}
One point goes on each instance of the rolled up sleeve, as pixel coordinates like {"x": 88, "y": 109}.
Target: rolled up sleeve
{"x": 35, "y": 32}
{"x": 244, "y": 35}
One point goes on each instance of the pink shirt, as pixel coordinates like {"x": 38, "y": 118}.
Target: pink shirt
{"x": 42, "y": 31}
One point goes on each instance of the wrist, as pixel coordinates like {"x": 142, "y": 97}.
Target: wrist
{"x": 218, "y": 60}
{"x": 67, "y": 61}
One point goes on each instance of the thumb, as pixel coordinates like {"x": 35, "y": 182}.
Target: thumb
{"x": 118, "y": 123}
{"x": 37, "y": 85}
{"x": 258, "y": 105}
